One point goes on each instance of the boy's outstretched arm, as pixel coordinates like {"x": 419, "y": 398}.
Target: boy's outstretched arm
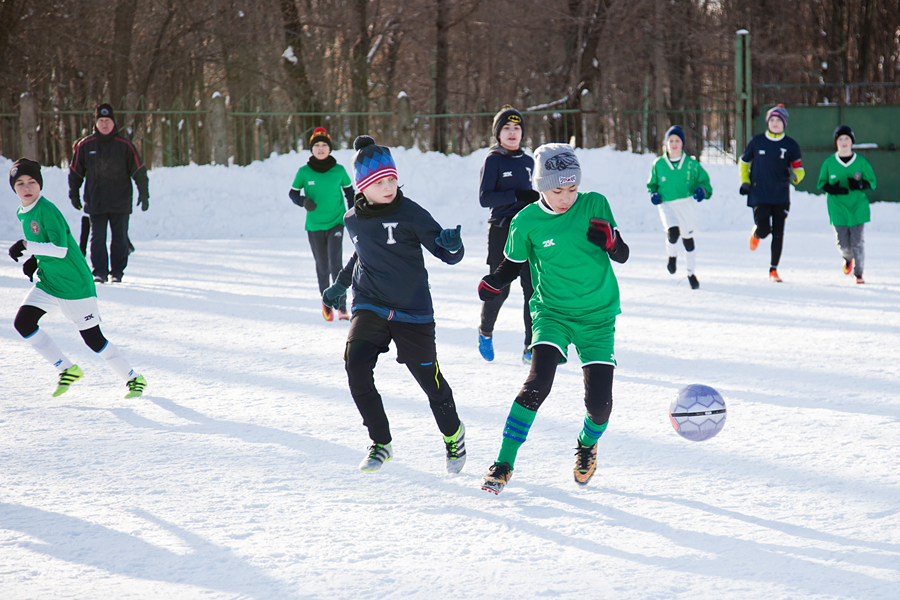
{"x": 602, "y": 234}
{"x": 505, "y": 273}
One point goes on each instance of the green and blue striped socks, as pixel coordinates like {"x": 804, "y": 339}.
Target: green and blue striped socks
{"x": 518, "y": 423}
{"x": 591, "y": 432}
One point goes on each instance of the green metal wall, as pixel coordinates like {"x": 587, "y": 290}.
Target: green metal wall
{"x": 813, "y": 128}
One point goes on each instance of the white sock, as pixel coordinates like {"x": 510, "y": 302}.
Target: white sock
{"x": 671, "y": 249}
{"x": 691, "y": 259}
{"x": 47, "y": 348}
{"x": 117, "y": 362}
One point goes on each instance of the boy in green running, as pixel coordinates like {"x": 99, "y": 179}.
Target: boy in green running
{"x": 567, "y": 238}
{"x": 676, "y": 180}
{"x": 844, "y": 176}
{"x": 64, "y": 283}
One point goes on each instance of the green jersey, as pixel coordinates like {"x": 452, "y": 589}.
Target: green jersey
{"x": 851, "y": 209}
{"x": 571, "y": 276}
{"x": 678, "y": 180}
{"x": 67, "y": 277}
{"x": 325, "y": 190}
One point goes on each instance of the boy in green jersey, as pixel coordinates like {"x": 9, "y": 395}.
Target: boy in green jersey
{"x": 327, "y": 195}
{"x": 676, "y": 180}
{"x": 844, "y": 177}
{"x": 567, "y": 238}
{"x": 64, "y": 283}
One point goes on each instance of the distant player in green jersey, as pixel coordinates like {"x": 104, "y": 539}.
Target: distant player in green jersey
{"x": 64, "y": 283}
{"x": 567, "y": 238}
{"x": 676, "y": 181}
{"x": 327, "y": 193}
{"x": 844, "y": 176}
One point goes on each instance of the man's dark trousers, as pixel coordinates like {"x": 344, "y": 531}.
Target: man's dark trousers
{"x": 116, "y": 260}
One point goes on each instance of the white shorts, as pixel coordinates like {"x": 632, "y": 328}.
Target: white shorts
{"x": 681, "y": 214}
{"x": 84, "y": 312}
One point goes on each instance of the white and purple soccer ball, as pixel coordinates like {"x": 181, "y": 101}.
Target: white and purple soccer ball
{"x": 697, "y": 412}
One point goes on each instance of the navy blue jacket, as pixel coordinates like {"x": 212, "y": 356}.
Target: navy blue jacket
{"x": 387, "y": 270}
{"x": 771, "y": 171}
{"x": 109, "y": 163}
{"x": 502, "y": 173}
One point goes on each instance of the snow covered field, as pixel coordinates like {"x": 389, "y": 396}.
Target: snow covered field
{"x": 235, "y": 476}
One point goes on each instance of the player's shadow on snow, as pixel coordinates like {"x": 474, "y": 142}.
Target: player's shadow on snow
{"x": 247, "y": 432}
{"x": 77, "y": 541}
{"x": 713, "y": 554}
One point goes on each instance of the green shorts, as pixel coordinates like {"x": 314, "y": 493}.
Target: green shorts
{"x": 594, "y": 340}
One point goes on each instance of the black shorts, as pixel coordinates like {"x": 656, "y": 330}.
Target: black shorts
{"x": 415, "y": 341}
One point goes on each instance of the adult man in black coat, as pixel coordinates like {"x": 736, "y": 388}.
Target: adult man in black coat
{"x": 108, "y": 161}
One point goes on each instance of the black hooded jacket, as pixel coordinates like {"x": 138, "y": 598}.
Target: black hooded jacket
{"x": 108, "y": 163}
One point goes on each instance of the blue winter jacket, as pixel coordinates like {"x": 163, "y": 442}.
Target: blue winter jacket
{"x": 504, "y": 171}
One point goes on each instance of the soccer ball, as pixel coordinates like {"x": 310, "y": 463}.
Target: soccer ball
{"x": 697, "y": 412}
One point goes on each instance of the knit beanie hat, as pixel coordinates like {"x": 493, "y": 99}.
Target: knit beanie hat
{"x": 675, "y": 130}
{"x": 105, "y": 111}
{"x": 778, "y": 111}
{"x": 371, "y": 163}
{"x": 843, "y": 130}
{"x": 506, "y": 115}
{"x": 555, "y": 165}
{"x": 319, "y": 134}
{"x": 24, "y": 166}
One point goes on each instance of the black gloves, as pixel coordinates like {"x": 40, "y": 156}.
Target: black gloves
{"x": 490, "y": 288}
{"x": 450, "y": 239}
{"x": 332, "y": 295}
{"x": 303, "y": 201}
{"x": 30, "y": 267}
{"x": 17, "y": 250}
{"x": 601, "y": 233}
{"x": 858, "y": 184}
{"x": 528, "y": 196}
{"x": 143, "y": 201}
{"x": 835, "y": 190}
{"x": 745, "y": 189}
{"x": 76, "y": 201}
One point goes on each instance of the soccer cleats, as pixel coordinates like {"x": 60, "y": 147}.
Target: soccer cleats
{"x": 497, "y": 477}
{"x": 67, "y": 378}
{"x": 136, "y": 386}
{"x": 377, "y": 455}
{"x": 486, "y": 347}
{"x": 456, "y": 450}
{"x": 585, "y": 463}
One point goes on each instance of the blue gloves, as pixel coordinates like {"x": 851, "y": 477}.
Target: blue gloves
{"x": 699, "y": 194}
{"x": 450, "y": 239}
{"x": 655, "y": 198}
{"x": 332, "y": 295}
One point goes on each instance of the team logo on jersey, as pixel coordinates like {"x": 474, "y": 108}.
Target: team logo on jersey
{"x": 548, "y": 243}
{"x": 762, "y": 152}
{"x": 390, "y": 232}
{"x": 507, "y": 174}
{"x": 311, "y": 183}
{"x": 89, "y": 317}
{"x": 35, "y": 228}
{"x": 783, "y": 150}
{"x": 662, "y": 179}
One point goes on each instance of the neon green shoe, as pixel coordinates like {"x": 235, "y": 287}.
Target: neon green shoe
{"x": 136, "y": 387}
{"x": 67, "y": 378}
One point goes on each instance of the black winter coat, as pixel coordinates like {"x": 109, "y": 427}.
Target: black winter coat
{"x": 109, "y": 163}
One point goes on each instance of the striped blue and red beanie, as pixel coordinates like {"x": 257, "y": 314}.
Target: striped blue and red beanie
{"x": 372, "y": 162}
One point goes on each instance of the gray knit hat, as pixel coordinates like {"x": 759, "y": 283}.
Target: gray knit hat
{"x": 555, "y": 165}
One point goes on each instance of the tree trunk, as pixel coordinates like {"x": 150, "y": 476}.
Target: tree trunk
{"x": 121, "y": 54}
{"x": 441, "y": 67}
{"x": 359, "y": 79}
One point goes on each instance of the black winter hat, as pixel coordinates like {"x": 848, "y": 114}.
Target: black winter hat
{"x": 25, "y": 166}
{"x": 506, "y": 115}
{"x": 105, "y": 111}
{"x": 843, "y": 130}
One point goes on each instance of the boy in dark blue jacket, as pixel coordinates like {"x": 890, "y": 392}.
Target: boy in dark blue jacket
{"x": 391, "y": 300}
{"x": 776, "y": 163}
{"x": 506, "y": 189}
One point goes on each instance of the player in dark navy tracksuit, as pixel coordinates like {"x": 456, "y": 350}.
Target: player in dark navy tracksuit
{"x": 391, "y": 300}
{"x": 506, "y": 189}
{"x": 775, "y": 165}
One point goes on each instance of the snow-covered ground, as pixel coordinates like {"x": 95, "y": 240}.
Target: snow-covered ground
{"x": 235, "y": 476}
